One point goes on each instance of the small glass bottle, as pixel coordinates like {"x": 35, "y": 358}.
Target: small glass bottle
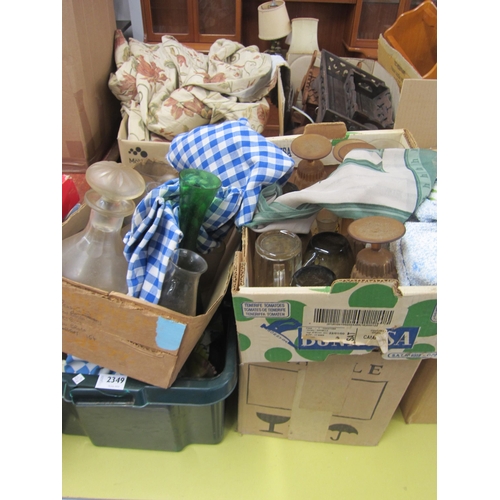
{"x": 94, "y": 256}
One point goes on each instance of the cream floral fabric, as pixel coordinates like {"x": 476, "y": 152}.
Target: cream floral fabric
{"x": 167, "y": 88}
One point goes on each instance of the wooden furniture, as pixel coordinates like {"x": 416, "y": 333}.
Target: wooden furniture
{"x": 370, "y": 18}
{"x": 195, "y": 23}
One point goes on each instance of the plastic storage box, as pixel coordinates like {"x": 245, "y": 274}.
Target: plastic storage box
{"x": 353, "y": 96}
{"x": 148, "y": 417}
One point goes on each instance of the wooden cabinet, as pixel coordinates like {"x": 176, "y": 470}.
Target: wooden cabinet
{"x": 195, "y": 23}
{"x": 370, "y": 18}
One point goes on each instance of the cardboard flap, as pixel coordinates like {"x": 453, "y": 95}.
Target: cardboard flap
{"x": 317, "y": 419}
{"x": 418, "y": 111}
{"x": 318, "y": 391}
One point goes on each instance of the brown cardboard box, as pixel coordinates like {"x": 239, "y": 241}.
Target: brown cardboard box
{"x": 90, "y": 112}
{"x": 342, "y": 400}
{"x": 128, "y": 335}
{"x": 419, "y": 404}
{"x": 278, "y": 324}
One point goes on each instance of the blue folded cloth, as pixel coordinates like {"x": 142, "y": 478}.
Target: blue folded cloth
{"x": 416, "y": 254}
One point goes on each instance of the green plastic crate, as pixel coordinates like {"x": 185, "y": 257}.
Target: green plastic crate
{"x": 147, "y": 417}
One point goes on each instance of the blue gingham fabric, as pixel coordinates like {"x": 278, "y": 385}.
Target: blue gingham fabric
{"x": 239, "y": 156}
{"x": 72, "y": 364}
{"x": 245, "y": 162}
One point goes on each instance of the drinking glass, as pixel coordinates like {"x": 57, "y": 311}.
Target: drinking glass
{"x": 313, "y": 275}
{"x": 332, "y": 250}
{"x": 278, "y": 254}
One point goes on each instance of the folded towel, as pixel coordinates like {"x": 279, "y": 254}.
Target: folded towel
{"x": 416, "y": 254}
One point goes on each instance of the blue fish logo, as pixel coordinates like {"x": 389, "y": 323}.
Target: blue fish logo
{"x": 283, "y": 325}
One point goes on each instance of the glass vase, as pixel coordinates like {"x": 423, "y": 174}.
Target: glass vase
{"x": 180, "y": 287}
{"x": 197, "y": 192}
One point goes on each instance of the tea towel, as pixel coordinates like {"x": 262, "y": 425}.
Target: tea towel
{"x": 386, "y": 182}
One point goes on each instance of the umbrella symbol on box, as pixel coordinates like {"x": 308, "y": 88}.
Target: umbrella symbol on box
{"x": 340, "y": 428}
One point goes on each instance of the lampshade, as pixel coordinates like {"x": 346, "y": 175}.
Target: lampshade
{"x": 304, "y": 37}
{"x": 274, "y": 22}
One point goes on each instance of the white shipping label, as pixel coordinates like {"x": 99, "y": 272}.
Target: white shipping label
{"x": 115, "y": 382}
{"x": 346, "y": 335}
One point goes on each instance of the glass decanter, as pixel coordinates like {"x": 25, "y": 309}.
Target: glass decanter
{"x": 94, "y": 256}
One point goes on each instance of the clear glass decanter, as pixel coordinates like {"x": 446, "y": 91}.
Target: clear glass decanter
{"x": 94, "y": 256}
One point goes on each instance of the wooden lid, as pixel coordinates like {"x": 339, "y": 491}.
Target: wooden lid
{"x": 311, "y": 146}
{"x": 343, "y": 147}
{"x": 376, "y": 230}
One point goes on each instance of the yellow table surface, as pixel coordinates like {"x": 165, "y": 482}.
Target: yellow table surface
{"x": 402, "y": 466}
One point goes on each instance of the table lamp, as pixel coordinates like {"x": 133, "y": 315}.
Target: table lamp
{"x": 274, "y": 24}
{"x": 303, "y": 38}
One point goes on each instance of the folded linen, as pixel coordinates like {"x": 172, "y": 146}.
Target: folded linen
{"x": 387, "y": 182}
{"x": 416, "y": 254}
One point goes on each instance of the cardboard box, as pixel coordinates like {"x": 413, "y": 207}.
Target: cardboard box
{"x": 123, "y": 333}
{"x": 419, "y": 404}
{"x": 414, "y": 36}
{"x": 394, "y": 62}
{"x": 278, "y": 324}
{"x": 134, "y": 152}
{"x": 343, "y": 400}
{"x": 90, "y": 112}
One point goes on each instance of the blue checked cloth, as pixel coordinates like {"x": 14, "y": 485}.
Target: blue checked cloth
{"x": 244, "y": 161}
{"x": 73, "y": 364}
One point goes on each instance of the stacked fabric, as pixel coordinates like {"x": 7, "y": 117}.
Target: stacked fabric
{"x": 416, "y": 251}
